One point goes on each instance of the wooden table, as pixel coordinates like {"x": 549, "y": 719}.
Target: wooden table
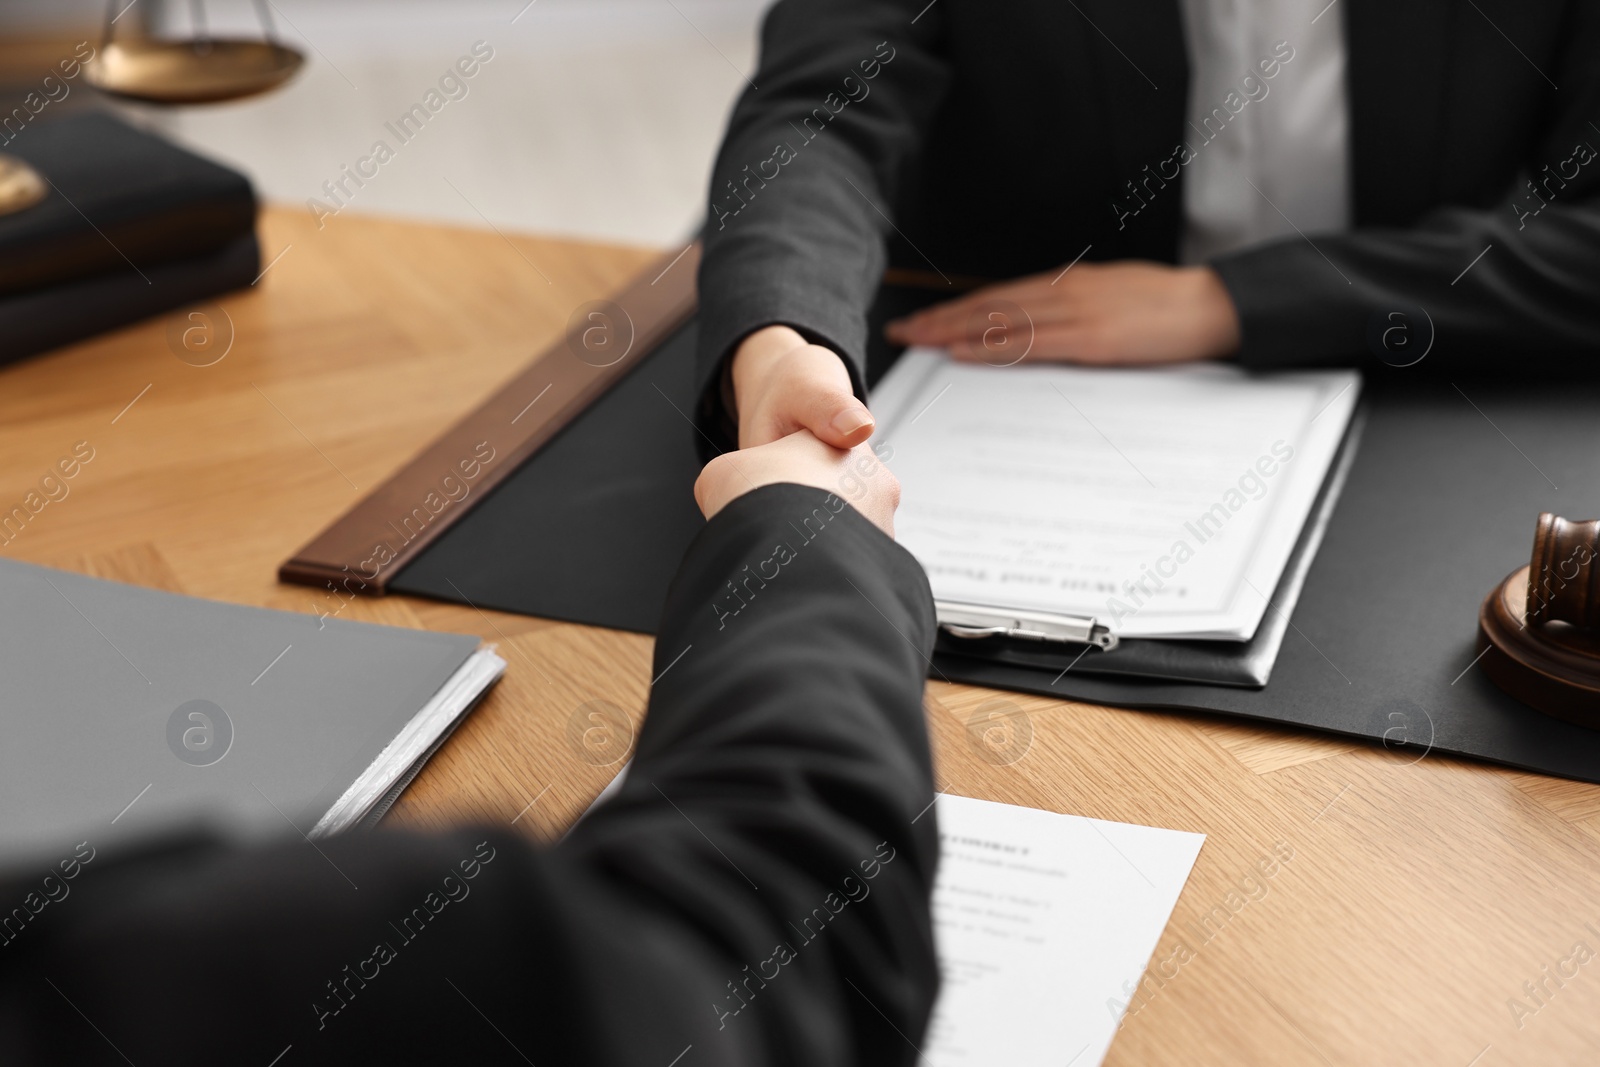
{"x": 1421, "y": 892}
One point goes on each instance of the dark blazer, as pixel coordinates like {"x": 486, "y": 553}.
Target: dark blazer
{"x": 758, "y": 892}
{"x": 996, "y": 138}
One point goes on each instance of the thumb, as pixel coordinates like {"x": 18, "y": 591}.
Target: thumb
{"x": 836, "y": 417}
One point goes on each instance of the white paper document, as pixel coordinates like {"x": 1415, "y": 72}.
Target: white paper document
{"x": 1163, "y": 502}
{"x": 1044, "y": 923}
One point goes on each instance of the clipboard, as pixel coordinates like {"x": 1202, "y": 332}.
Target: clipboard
{"x": 1246, "y": 664}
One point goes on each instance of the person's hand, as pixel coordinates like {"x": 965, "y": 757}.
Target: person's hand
{"x": 1113, "y": 313}
{"x": 855, "y": 475}
{"x": 782, "y": 384}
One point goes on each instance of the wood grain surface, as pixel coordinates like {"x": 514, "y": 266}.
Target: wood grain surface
{"x": 1419, "y": 894}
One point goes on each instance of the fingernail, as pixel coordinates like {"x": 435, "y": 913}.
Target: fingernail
{"x": 850, "y": 420}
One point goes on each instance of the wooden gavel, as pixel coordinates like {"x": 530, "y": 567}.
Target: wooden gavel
{"x": 1539, "y": 629}
{"x": 1563, "y": 581}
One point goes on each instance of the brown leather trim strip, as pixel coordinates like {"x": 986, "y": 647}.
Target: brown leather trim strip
{"x": 911, "y": 278}
{"x": 391, "y": 526}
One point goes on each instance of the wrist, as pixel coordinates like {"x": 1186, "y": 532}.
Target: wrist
{"x": 1216, "y": 318}
{"x": 758, "y": 352}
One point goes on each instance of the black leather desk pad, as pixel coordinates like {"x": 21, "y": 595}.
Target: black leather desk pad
{"x": 590, "y": 529}
{"x": 1439, "y": 505}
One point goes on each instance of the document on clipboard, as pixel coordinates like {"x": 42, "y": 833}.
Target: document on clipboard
{"x": 1060, "y": 503}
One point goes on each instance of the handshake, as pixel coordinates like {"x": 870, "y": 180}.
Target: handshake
{"x": 799, "y": 422}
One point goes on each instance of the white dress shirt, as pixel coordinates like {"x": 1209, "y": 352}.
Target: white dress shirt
{"x": 1286, "y": 134}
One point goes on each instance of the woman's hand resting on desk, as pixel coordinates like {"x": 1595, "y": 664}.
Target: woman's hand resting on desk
{"x": 1099, "y": 313}
{"x": 855, "y": 475}
{"x": 1127, "y": 312}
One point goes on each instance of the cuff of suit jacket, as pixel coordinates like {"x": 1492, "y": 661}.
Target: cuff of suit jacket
{"x": 1295, "y": 308}
{"x": 762, "y": 534}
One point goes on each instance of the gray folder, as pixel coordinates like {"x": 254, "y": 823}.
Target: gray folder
{"x": 125, "y": 710}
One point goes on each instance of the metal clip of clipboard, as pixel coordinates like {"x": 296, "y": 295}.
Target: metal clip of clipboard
{"x": 970, "y": 621}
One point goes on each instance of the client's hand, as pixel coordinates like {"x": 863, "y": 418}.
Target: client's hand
{"x": 782, "y": 384}
{"x": 1107, "y": 313}
{"x": 855, "y": 475}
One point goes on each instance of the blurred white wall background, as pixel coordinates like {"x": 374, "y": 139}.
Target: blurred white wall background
{"x": 594, "y": 118}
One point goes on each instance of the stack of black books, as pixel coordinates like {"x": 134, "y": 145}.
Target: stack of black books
{"x": 132, "y": 226}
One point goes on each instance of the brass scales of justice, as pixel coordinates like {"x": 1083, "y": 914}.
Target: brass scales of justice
{"x": 199, "y": 69}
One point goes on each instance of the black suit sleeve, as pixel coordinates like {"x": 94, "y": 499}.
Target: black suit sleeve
{"x": 757, "y": 893}
{"x": 803, "y": 186}
{"x": 1535, "y": 294}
